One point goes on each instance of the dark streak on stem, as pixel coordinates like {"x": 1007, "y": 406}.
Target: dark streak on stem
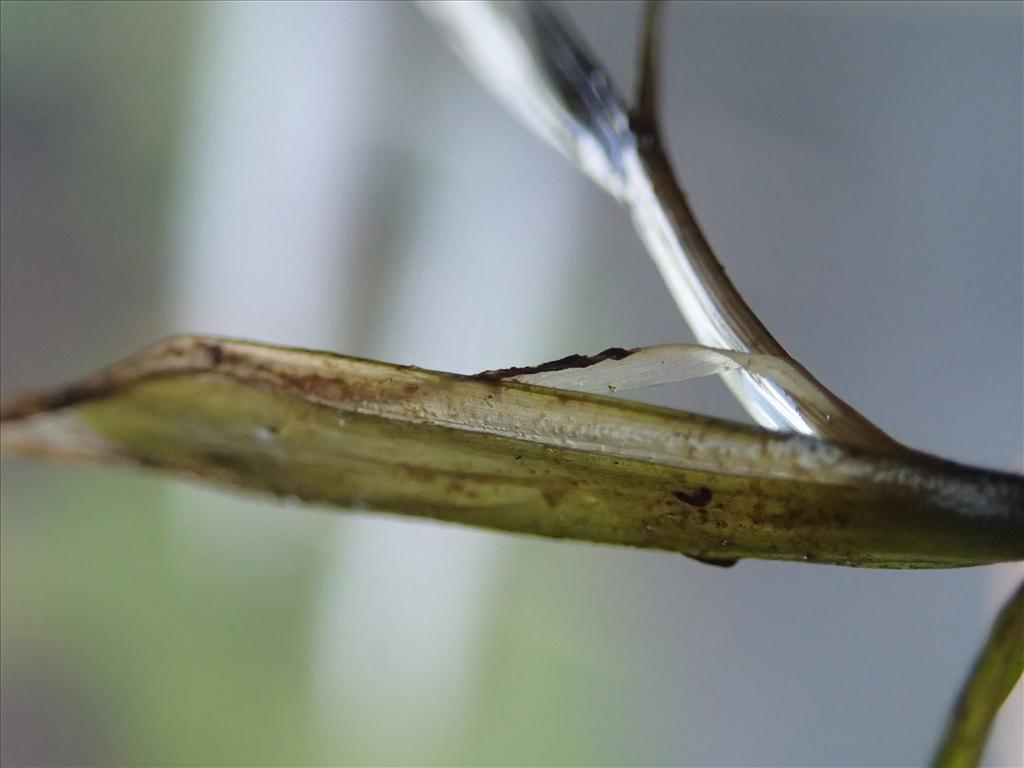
{"x": 562, "y": 364}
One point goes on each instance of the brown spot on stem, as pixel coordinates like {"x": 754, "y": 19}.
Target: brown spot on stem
{"x": 699, "y": 498}
{"x": 216, "y": 354}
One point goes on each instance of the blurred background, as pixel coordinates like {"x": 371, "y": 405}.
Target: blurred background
{"x": 328, "y": 175}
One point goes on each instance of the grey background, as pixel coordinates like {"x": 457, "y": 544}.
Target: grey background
{"x": 858, "y": 168}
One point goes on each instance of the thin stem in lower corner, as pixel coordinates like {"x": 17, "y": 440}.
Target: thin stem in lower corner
{"x": 994, "y": 675}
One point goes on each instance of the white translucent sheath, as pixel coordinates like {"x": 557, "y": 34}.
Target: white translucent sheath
{"x": 529, "y": 57}
{"x": 645, "y": 367}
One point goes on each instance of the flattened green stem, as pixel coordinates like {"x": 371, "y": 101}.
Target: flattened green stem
{"x": 994, "y": 675}
{"x": 510, "y": 456}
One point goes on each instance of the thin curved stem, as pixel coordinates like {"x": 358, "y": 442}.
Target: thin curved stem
{"x": 714, "y": 308}
{"x": 645, "y": 113}
{"x": 534, "y": 62}
{"x": 995, "y": 673}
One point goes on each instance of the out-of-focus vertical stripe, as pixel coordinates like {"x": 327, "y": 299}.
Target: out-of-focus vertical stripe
{"x": 287, "y": 156}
